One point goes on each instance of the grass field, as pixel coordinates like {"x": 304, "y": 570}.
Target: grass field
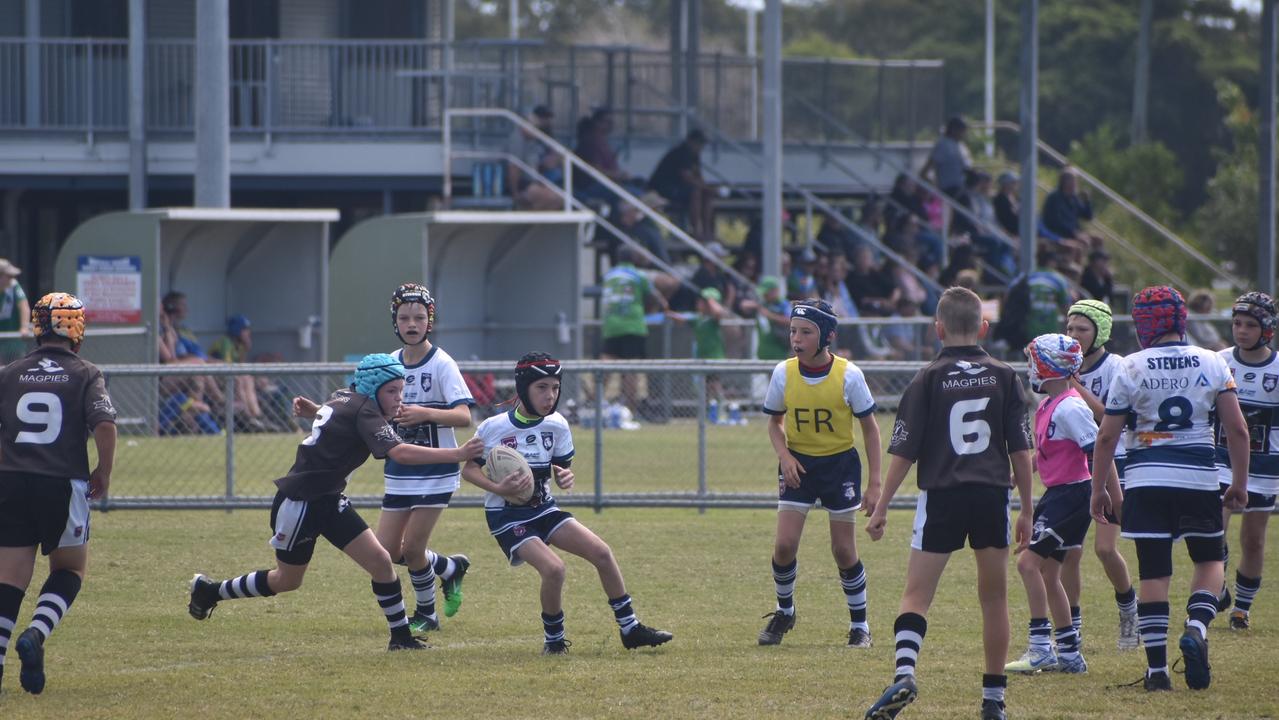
{"x": 128, "y": 649}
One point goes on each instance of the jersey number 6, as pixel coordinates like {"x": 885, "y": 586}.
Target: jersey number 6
{"x": 969, "y": 437}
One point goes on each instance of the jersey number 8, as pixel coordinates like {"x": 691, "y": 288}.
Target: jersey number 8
{"x": 40, "y": 408}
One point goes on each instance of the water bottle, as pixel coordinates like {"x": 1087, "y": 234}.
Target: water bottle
{"x": 562, "y": 330}
{"x": 735, "y": 414}
{"x": 712, "y": 412}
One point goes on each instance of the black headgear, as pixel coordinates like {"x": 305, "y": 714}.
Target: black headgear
{"x": 1261, "y": 307}
{"x": 819, "y": 313}
{"x": 533, "y": 367}
{"x": 413, "y": 293}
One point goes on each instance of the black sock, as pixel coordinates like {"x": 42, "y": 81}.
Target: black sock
{"x": 10, "y": 604}
{"x": 1152, "y": 623}
{"x": 553, "y": 627}
{"x": 391, "y": 601}
{"x": 1201, "y": 608}
{"x": 1077, "y": 619}
{"x": 993, "y": 686}
{"x": 424, "y": 589}
{"x": 623, "y": 612}
{"x": 909, "y": 629}
{"x": 56, "y": 596}
{"x": 253, "y": 584}
{"x": 1245, "y": 590}
{"x": 1127, "y": 601}
{"x": 853, "y": 580}
{"x": 784, "y": 581}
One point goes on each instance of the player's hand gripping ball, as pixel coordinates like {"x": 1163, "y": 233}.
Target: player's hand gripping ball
{"x": 501, "y": 462}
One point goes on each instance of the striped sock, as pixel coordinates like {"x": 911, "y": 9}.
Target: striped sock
{"x": 1152, "y": 624}
{"x": 442, "y": 564}
{"x": 424, "y": 590}
{"x": 1201, "y": 608}
{"x": 1077, "y": 619}
{"x": 624, "y": 613}
{"x": 252, "y": 584}
{"x": 1040, "y": 634}
{"x": 392, "y": 602}
{"x": 1245, "y": 591}
{"x": 853, "y": 581}
{"x": 10, "y": 604}
{"x": 59, "y": 591}
{"x": 993, "y": 686}
{"x": 1067, "y": 642}
{"x": 553, "y": 626}
{"x": 1127, "y": 601}
{"x": 784, "y": 579}
{"x": 909, "y": 629}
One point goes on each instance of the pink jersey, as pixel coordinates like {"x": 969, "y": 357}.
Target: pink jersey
{"x": 1065, "y": 432}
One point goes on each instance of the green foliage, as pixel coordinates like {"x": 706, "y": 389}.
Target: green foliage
{"x": 1229, "y": 215}
{"x": 817, "y": 45}
{"x": 1148, "y": 174}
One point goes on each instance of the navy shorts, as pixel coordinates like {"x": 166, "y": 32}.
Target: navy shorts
{"x": 833, "y": 480}
{"x": 1061, "y": 520}
{"x": 41, "y": 510}
{"x": 514, "y": 525}
{"x": 626, "y": 347}
{"x": 1170, "y": 513}
{"x": 413, "y": 502}
{"x": 297, "y": 524}
{"x": 978, "y": 513}
{"x": 1257, "y": 502}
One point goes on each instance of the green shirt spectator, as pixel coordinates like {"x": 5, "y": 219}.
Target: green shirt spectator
{"x": 15, "y": 312}
{"x": 624, "y": 292}
{"x": 772, "y": 321}
{"x": 710, "y": 342}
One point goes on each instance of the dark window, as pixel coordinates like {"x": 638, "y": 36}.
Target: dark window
{"x": 255, "y": 19}
{"x": 383, "y": 19}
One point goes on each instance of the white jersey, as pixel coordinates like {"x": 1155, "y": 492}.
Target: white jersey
{"x": 1258, "y": 388}
{"x": 435, "y": 383}
{"x": 542, "y": 442}
{"x": 1169, "y": 392}
{"x": 1098, "y": 379}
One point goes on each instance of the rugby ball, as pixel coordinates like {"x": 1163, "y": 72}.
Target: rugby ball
{"x": 503, "y": 461}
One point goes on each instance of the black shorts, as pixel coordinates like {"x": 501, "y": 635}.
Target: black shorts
{"x": 1257, "y": 502}
{"x": 41, "y": 510}
{"x": 413, "y": 502}
{"x": 1061, "y": 520}
{"x": 1170, "y": 513}
{"x": 945, "y": 518}
{"x": 297, "y": 524}
{"x": 627, "y": 347}
{"x": 515, "y": 525}
{"x": 833, "y": 480}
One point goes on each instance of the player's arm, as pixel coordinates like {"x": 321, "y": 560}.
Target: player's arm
{"x": 1237, "y": 444}
{"x": 104, "y": 437}
{"x": 897, "y": 469}
{"x": 510, "y": 486}
{"x": 1023, "y": 478}
{"x": 407, "y": 454}
{"x": 305, "y": 408}
{"x": 1093, "y": 402}
{"x": 870, "y": 435}
{"x": 791, "y": 469}
{"x": 1103, "y": 456}
{"x": 456, "y": 416}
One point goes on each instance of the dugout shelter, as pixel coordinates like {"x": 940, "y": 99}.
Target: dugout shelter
{"x": 504, "y": 283}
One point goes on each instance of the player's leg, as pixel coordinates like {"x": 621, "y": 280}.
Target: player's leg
{"x": 1224, "y": 598}
{"x": 574, "y": 537}
{"x": 1252, "y": 539}
{"x": 390, "y": 527}
{"x": 16, "y": 567}
{"x": 1154, "y": 568}
{"x": 1199, "y": 523}
{"x": 1106, "y": 547}
{"x": 1069, "y": 657}
{"x": 992, "y": 593}
{"x": 852, "y": 575}
{"x": 369, "y": 554}
{"x": 790, "y": 528}
{"x": 551, "y": 569}
{"x": 1039, "y": 651}
{"x": 415, "y": 534}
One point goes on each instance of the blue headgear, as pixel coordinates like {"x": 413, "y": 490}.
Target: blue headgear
{"x": 373, "y": 372}
{"x": 819, "y": 313}
{"x": 235, "y": 324}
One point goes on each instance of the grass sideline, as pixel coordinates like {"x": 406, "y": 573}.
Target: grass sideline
{"x": 128, "y": 649}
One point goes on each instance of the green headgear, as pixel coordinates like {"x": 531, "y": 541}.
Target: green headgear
{"x": 1099, "y": 314}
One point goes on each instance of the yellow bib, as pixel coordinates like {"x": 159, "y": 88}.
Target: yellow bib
{"x": 818, "y": 418}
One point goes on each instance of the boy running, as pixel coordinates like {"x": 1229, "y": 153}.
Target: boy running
{"x": 963, "y": 418}
{"x": 812, "y": 400}
{"x": 1255, "y": 367}
{"x": 1166, "y": 395}
{"x": 51, "y": 401}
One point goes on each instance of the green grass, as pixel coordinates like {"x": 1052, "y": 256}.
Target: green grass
{"x": 128, "y": 649}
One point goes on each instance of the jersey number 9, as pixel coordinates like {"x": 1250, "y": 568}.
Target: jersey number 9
{"x": 43, "y": 409}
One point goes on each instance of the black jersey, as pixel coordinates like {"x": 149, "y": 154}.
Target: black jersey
{"x": 347, "y": 429}
{"x": 50, "y": 401}
{"x": 960, "y": 418}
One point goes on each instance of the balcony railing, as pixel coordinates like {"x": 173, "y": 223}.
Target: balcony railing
{"x": 396, "y": 88}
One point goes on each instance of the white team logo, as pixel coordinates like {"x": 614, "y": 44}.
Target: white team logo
{"x": 104, "y": 404}
{"x": 1268, "y": 382}
{"x": 967, "y": 368}
{"x": 387, "y": 433}
{"x": 900, "y": 433}
{"x": 47, "y": 365}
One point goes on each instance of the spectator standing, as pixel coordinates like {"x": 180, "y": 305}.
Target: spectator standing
{"x": 950, "y": 159}
{"x": 1007, "y": 204}
{"x": 772, "y": 320}
{"x": 678, "y": 178}
{"x": 1202, "y": 332}
{"x": 528, "y": 192}
{"x": 801, "y": 281}
{"x": 15, "y": 313}
{"x": 625, "y": 332}
{"x": 1097, "y": 278}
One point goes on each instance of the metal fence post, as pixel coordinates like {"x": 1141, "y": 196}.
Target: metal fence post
{"x": 599, "y": 441}
{"x": 230, "y": 440}
{"x": 700, "y": 381}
